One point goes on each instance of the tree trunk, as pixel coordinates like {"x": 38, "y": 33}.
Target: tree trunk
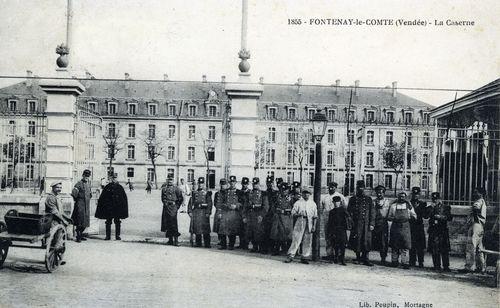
{"x": 154, "y": 173}
{"x": 396, "y": 184}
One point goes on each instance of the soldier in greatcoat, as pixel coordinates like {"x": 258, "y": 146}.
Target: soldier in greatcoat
{"x": 200, "y": 209}
{"x": 171, "y": 197}
{"x": 336, "y": 228}
{"x": 230, "y": 224}
{"x": 400, "y": 213}
{"x": 361, "y": 210}
{"x": 81, "y": 194}
{"x": 270, "y": 195}
{"x": 220, "y": 198}
{"x": 258, "y": 206}
{"x": 243, "y": 200}
{"x": 112, "y": 206}
{"x": 439, "y": 238}
{"x": 417, "y": 250}
{"x": 380, "y": 235}
{"x": 282, "y": 226}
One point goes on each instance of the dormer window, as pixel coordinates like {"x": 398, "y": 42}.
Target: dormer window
{"x": 112, "y": 108}
{"x": 426, "y": 118}
{"x": 212, "y": 111}
{"x": 351, "y": 115}
{"x": 12, "y": 105}
{"x": 271, "y": 113}
{"x": 152, "y": 109}
{"x": 390, "y": 117}
{"x": 172, "y": 110}
{"x": 310, "y": 113}
{"x": 132, "y": 109}
{"x": 192, "y": 110}
{"x": 31, "y": 106}
{"x": 292, "y": 114}
{"x": 92, "y": 106}
{"x": 331, "y": 115}
{"x": 408, "y": 117}
{"x": 370, "y": 115}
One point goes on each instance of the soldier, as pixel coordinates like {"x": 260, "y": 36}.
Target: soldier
{"x": 400, "y": 213}
{"x": 282, "y": 226}
{"x": 270, "y": 195}
{"x": 220, "y": 200}
{"x": 81, "y": 194}
{"x": 361, "y": 210}
{"x": 439, "y": 238}
{"x": 336, "y": 228}
{"x": 474, "y": 258}
{"x": 200, "y": 209}
{"x": 230, "y": 224}
{"x": 258, "y": 206}
{"x": 295, "y": 193}
{"x": 243, "y": 200}
{"x": 171, "y": 197}
{"x": 380, "y": 235}
{"x": 112, "y": 206}
{"x": 417, "y": 229}
{"x": 326, "y": 206}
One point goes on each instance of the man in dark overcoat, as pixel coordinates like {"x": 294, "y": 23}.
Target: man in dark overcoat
{"x": 171, "y": 197}
{"x": 200, "y": 209}
{"x": 112, "y": 206}
{"x": 81, "y": 194}
{"x": 380, "y": 235}
{"x": 258, "y": 206}
{"x": 336, "y": 228}
{"x": 243, "y": 194}
{"x": 439, "y": 238}
{"x": 417, "y": 250}
{"x": 270, "y": 195}
{"x": 362, "y": 212}
{"x": 220, "y": 198}
{"x": 282, "y": 224}
{"x": 230, "y": 224}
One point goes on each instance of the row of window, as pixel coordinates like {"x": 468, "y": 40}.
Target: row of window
{"x": 170, "y": 173}
{"x": 31, "y": 129}
{"x": 170, "y": 152}
{"x": 31, "y": 106}
{"x": 112, "y": 108}
{"x": 131, "y": 133}
{"x": 29, "y": 172}
{"x": 291, "y": 114}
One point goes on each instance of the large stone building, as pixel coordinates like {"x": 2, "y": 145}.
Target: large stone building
{"x": 190, "y": 123}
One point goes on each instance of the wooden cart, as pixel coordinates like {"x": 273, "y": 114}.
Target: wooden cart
{"x": 53, "y": 242}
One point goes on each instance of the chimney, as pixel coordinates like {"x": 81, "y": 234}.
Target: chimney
{"x": 127, "y": 77}
{"x": 29, "y": 81}
{"x": 223, "y": 79}
{"x": 261, "y": 80}
{"x": 337, "y": 87}
{"x": 299, "y": 84}
{"x": 165, "y": 77}
{"x": 394, "y": 88}
{"x": 204, "y": 78}
{"x": 356, "y": 88}
{"x": 88, "y": 75}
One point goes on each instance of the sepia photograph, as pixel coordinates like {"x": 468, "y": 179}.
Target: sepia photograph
{"x": 245, "y": 153}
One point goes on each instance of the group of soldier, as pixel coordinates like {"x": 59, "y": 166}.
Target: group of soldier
{"x": 273, "y": 221}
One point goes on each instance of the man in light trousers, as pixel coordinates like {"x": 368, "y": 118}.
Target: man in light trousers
{"x": 475, "y": 260}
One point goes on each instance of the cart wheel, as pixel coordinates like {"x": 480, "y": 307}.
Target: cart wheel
{"x": 56, "y": 246}
{"x": 3, "y": 226}
{"x": 4, "y": 250}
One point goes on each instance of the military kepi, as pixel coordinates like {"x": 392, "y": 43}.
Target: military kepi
{"x": 360, "y": 183}
{"x": 201, "y": 180}
{"x": 415, "y": 190}
{"x": 255, "y": 180}
{"x": 333, "y": 185}
{"x": 244, "y": 180}
{"x": 232, "y": 178}
{"x": 86, "y": 172}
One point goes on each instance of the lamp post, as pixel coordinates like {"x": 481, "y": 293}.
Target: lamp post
{"x": 319, "y": 122}
{"x": 207, "y": 144}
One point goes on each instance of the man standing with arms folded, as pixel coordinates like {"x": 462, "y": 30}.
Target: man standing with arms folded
{"x": 81, "y": 194}
{"x": 362, "y": 212}
{"x": 439, "y": 239}
{"x": 380, "y": 235}
{"x": 200, "y": 209}
{"x": 326, "y": 206}
{"x": 417, "y": 250}
{"x": 306, "y": 214}
{"x": 171, "y": 197}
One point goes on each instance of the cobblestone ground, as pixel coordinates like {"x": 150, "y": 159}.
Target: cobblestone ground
{"x": 122, "y": 274}
{"x": 125, "y": 274}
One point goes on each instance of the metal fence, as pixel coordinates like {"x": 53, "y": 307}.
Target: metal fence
{"x": 23, "y": 140}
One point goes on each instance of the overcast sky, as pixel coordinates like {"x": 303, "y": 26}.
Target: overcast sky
{"x": 186, "y": 39}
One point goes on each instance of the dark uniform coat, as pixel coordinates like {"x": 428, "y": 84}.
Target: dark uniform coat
{"x": 219, "y": 201}
{"x": 230, "y": 223}
{"x": 362, "y": 212}
{"x": 282, "y": 225}
{"x": 256, "y": 210}
{"x": 439, "y": 238}
{"x": 112, "y": 202}
{"x": 171, "y": 197}
{"x": 243, "y": 196}
{"x": 380, "y": 235}
{"x": 200, "y": 208}
{"x": 400, "y": 215}
{"x": 417, "y": 225}
{"x": 81, "y": 194}
{"x": 336, "y": 228}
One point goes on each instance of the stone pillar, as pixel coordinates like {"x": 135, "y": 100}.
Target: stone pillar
{"x": 243, "y": 96}
{"x": 61, "y": 114}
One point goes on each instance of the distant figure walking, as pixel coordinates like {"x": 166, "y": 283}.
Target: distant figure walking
{"x": 186, "y": 192}
{"x": 130, "y": 185}
{"x": 148, "y": 187}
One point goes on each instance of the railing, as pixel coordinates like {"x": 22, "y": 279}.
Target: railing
{"x": 23, "y": 140}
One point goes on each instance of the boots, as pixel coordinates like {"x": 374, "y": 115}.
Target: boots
{"x": 223, "y": 242}
{"x": 232, "y": 241}
{"x": 176, "y": 241}
{"x": 206, "y": 240}
{"x": 108, "y": 232}
{"x": 117, "y": 231}
{"x": 170, "y": 240}
{"x": 78, "y": 235}
{"x": 198, "y": 240}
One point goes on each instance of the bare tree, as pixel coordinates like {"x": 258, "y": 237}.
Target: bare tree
{"x": 299, "y": 141}
{"x": 208, "y": 147}
{"x": 16, "y": 151}
{"x": 114, "y": 144}
{"x": 393, "y": 156}
{"x": 154, "y": 147}
{"x": 260, "y": 151}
